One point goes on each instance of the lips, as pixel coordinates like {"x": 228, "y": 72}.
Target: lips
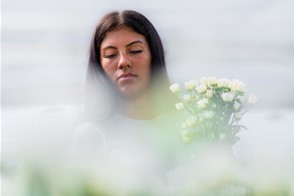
{"x": 127, "y": 75}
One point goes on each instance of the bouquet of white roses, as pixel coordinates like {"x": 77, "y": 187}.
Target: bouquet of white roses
{"x": 214, "y": 108}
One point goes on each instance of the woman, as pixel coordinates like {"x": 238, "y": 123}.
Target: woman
{"x": 126, "y": 70}
{"x": 128, "y": 99}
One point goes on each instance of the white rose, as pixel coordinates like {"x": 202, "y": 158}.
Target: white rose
{"x": 202, "y": 103}
{"x": 191, "y": 121}
{"x": 187, "y": 97}
{"x": 201, "y": 88}
{"x": 227, "y": 97}
{"x": 190, "y": 85}
{"x": 252, "y": 99}
{"x": 179, "y": 106}
{"x": 237, "y": 86}
{"x": 212, "y": 81}
{"x": 223, "y": 82}
{"x": 204, "y": 80}
{"x": 209, "y": 93}
{"x": 175, "y": 88}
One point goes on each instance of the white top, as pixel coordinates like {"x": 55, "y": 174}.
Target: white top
{"x": 150, "y": 141}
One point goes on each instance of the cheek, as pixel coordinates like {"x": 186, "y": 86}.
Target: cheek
{"x": 108, "y": 69}
{"x": 148, "y": 68}
{"x": 146, "y": 71}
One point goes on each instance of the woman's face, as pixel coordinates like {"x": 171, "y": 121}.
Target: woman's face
{"x": 126, "y": 59}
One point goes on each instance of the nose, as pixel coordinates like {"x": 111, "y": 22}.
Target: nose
{"x": 124, "y": 62}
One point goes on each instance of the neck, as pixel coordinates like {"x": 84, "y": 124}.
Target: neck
{"x": 141, "y": 107}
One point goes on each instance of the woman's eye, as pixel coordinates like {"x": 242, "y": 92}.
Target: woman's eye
{"x": 110, "y": 56}
{"x": 136, "y": 51}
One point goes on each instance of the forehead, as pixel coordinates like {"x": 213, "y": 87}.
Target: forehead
{"x": 121, "y": 36}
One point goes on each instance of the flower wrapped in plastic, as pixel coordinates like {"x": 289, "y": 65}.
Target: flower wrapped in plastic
{"x": 212, "y": 108}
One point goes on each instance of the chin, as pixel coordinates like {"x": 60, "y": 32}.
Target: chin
{"x": 130, "y": 93}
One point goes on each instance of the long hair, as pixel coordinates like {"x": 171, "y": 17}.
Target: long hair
{"x": 97, "y": 80}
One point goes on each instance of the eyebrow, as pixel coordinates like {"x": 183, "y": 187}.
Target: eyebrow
{"x": 134, "y": 42}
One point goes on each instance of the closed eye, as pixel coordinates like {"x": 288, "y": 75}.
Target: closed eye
{"x": 136, "y": 51}
{"x": 110, "y": 56}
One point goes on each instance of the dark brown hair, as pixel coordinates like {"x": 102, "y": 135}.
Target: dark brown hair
{"x": 138, "y": 23}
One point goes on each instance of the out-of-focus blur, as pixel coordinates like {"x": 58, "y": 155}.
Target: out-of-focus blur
{"x": 45, "y": 47}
